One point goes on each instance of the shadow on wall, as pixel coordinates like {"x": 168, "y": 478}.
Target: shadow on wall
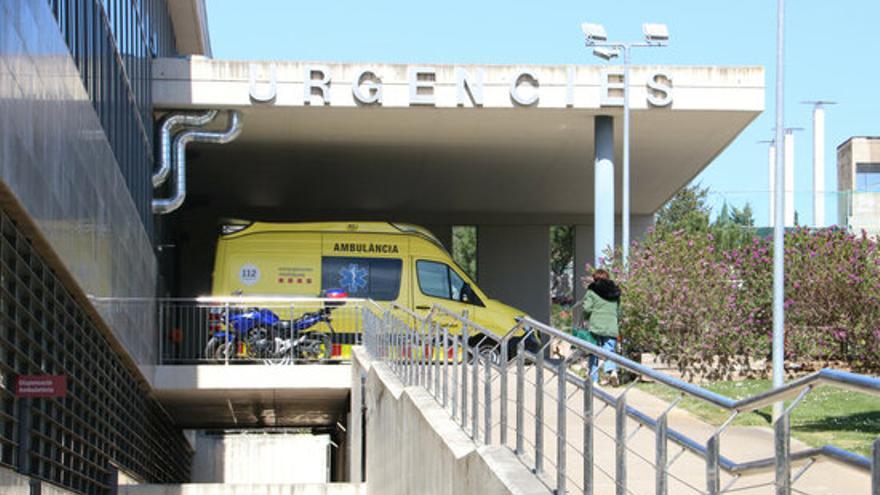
{"x": 260, "y": 457}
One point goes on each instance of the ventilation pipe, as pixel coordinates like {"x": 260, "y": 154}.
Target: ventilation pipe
{"x": 169, "y": 124}
{"x": 165, "y": 206}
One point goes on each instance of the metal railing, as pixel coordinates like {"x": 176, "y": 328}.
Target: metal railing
{"x": 257, "y": 330}
{"x": 468, "y": 370}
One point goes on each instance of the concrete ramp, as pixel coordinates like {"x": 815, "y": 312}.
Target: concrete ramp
{"x": 245, "y": 489}
{"x": 413, "y": 447}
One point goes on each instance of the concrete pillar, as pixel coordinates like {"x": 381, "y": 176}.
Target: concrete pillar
{"x": 356, "y": 424}
{"x": 603, "y": 207}
{"x": 583, "y": 254}
{"x": 788, "y": 181}
{"x": 638, "y": 226}
{"x": 584, "y": 246}
{"x": 514, "y": 266}
{"x": 443, "y": 233}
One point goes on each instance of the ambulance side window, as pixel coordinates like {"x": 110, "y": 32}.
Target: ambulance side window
{"x": 373, "y": 278}
{"x": 439, "y": 280}
{"x": 434, "y": 279}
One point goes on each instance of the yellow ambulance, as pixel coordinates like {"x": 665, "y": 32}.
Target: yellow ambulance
{"x": 384, "y": 262}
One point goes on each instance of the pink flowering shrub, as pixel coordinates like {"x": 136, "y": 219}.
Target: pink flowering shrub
{"x": 708, "y": 310}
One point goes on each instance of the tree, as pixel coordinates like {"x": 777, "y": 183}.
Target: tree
{"x": 687, "y": 211}
{"x": 733, "y": 229}
{"x": 561, "y": 261}
{"x": 743, "y": 217}
{"x": 464, "y": 248}
{"x": 561, "y": 248}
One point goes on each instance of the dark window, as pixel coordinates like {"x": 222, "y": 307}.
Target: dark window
{"x": 439, "y": 280}
{"x": 373, "y": 278}
{"x": 868, "y": 177}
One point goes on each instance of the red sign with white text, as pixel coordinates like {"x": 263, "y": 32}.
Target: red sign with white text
{"x": 41, "y": 386}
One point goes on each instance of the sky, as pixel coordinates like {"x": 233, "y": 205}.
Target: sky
{"x": 832, "y": 52}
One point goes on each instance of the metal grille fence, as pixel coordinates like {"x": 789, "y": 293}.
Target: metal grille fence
{"x": 579, "y": 437}
{"x": 113, "y": 43}
{"x": 106, "y": 422}
{"x": 258, "y": 330}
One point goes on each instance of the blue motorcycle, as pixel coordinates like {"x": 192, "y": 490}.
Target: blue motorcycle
{"x": 260, "y": 334}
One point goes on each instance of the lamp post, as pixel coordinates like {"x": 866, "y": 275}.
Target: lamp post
{"x": 771, "y": 169}
{"x": 818, "y": 160}
{"x": 779, "y": 221}
{"x": 788, "y": 191}
{"x": 656, "y": 35}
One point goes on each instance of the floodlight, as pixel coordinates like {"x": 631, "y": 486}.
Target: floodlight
{"x": 605, "y": 52}
{"x": 594, "y": 32}
{"x": 655, "y": 33}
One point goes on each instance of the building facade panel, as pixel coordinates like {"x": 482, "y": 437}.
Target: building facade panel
{"x": 858, "y": 179}
{"x": 58, "y": 165}
{"x": 106, "y": 422}
{"x": 112, "y": 43}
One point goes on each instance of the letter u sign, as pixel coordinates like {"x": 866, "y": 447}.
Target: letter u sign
{"x": 270, "y": 92}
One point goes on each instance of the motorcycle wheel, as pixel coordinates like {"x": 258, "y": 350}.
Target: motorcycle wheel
{"x": 219, "y": 349}
{"x": 259, "y": 345}
{"x": 316, "y": 347}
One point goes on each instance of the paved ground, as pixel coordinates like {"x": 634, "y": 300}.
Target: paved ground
{"x": 688, "y": 472}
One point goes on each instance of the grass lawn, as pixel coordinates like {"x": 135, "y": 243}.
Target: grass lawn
{"x": 826, "y": 416}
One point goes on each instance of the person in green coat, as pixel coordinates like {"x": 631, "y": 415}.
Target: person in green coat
{"x": 601, "y": 306}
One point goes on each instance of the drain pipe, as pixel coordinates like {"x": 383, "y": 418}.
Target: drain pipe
{"x": 167, "y": 205}
{"x": 169, "y": 124}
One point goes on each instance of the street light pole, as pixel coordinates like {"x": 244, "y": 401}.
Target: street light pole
{"x": 656, "y": 35}
{"x": 625, "y": 185}
{"x": 779, "y": 225}
{"x": 771, "y": 181}
{"x": 818, "y": 161}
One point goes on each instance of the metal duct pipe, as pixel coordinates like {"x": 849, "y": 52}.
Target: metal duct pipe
{"x": 165, "y": 206}
{"x": 169, "y": 123}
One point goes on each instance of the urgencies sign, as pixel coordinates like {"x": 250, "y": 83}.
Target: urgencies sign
{"x": 523, "y": 87}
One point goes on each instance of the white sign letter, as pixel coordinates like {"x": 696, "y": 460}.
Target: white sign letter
{"x": 569, "y": 86}
{"x": 529, "y": 100}
{"x": 421, "y": 85}
{"x": 313, "y": 85}
{"x": 367, "y": 79}
{"x": 660, "y": 89}
{"x": 464, "y": 84}
{"x": 605, "y": 98}
{"x": 271, "y": 92}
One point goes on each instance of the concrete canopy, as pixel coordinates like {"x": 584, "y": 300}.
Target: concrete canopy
{"x": 450, "y": 161}
{"x": 211, "y": 396}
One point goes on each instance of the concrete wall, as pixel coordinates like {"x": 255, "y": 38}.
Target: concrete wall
{"x": 57, "y": 166}
{"x": 245, "y": 489}
{"x": 513, "y": 266}
{"x": 13, "y": 483}
{"x": 260, "y": 458}
{"x": 443, "y": 233}
{"x": 413, "y": 447}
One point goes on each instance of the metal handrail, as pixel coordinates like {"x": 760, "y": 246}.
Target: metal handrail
{"x": 196, "y": 330}
{"x": 438, "y": 309}
{"x": 841, "y": 379}
{"x": 419, "y": 362}
{"x": 265, "y": 299}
